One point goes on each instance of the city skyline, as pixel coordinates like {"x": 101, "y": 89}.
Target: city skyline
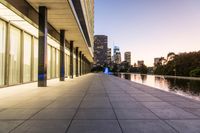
{"x": 149, "y": 29}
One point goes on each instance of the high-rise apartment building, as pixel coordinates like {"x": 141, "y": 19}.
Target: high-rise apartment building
{"x": 109, "y": 60}
{"x": 100, "y": 50}
{"x": 127, "y": 57}
{"x": 34, "y": 46}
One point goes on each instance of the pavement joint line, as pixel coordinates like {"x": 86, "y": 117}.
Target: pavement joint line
{"x": 155, "y": 114}
{"x": 73, "y": 118}
{"x": 112, "y": 107}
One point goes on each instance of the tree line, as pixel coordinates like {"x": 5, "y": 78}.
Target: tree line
{"x": 182, "y": 64}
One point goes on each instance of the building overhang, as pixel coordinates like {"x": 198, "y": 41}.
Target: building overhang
{"x": 62, "y": 16}
{"x": 80, "y": 14}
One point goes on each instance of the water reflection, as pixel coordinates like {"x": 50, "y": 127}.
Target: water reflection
{"x": 187, "y": 87}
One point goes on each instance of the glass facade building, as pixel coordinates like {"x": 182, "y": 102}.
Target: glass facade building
{"x": 19, "y": 49}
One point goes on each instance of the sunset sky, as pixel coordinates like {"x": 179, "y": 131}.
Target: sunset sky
{"x": 149, "y": 28}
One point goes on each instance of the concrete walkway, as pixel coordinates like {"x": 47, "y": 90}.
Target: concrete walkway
{"x": 96, "y": 103}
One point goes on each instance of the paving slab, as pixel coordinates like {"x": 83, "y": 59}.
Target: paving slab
{"x": 186, "y": 104}
{"x": 137, "y": 113}
{"x": 147, "y": 99}
{"x": 95, "y": 114}
{"x": 98, "y": 104}
{"x": 58, "y": 114}
{"x": 185, "y": 126}
{"x": 145, "y": 126}
{"x": 17, "y": 114}
{"x": 43, "y": 126}
{"x": 173, "y": 113}
{"x": 193, "y": 111}
{"x": 161, "y": 105}
{"x": 126, "y": 105}
{"x": 65, "y": 104}
{"x": 7, "y": 125}
{"x": 94, "y": 126}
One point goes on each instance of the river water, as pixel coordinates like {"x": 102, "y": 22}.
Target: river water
{"x": 185, "y": 87}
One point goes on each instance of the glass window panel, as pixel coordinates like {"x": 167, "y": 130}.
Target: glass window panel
{"x": 2, "y": 51}
{"x": 27, "y": 58}
{"x": 78, "y": 66}
{"x": 66, "y": 65}
{"x": 49, "y": 62}
{"x": 53, "y": 62}
{"x": 74, "y": 66}
{"x": 14, "y": 69}
{"x": 57, "y": 63}
{"x": 35, "y": 61}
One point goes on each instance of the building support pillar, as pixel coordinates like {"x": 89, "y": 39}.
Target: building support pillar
{"x": 42, "y": 47}
{"x": 62, "y": 55}
{"x": 80, "y": 69}
{"x": 77, "y": 62}
{"x": 71, "y": 59}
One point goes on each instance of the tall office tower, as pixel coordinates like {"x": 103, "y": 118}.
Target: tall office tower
{"x": 109, "y": 57}
{"x": 100, "y": 50}
{"x": 116, "y": 55}
{"x": 115, "y": 50}
{"x": 127, "y": 57}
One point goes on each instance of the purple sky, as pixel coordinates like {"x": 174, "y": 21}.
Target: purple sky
{"x": 149, "y": 28}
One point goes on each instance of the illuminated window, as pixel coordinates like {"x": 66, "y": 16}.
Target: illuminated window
{"x": 14, "y": 69}
{"x": 74, "y": 61}
{"x": 27, "y": 58}
{"x": 53, "y": 62}
{"x": 49, "y": 61}
{"x": 2, "y": 51}
{"x": 35, "y": 60}
{"x": 57, "y": 63}
{"x": 66, "y": 65}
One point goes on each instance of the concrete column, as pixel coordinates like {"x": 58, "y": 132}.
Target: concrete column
{"x": 77, "y": 62}
{"x": 71, "y": 59}
{"x": 42, "y": 47}
{"x": 62, "y": 55}
{"x": 80, "y": 69}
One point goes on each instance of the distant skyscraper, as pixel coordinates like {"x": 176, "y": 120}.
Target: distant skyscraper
{"x": 115, "y": 50}
{"x": 127, "y": 57}
{"x": 140, "y": 63}
{"x": 109, "y": 57}
{"x": 116, "y": 55}
{"x": 100, "y": 50}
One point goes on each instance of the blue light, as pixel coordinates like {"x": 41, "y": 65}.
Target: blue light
{"x": 41, "y": 77}
{"x": 106, "y": 70}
